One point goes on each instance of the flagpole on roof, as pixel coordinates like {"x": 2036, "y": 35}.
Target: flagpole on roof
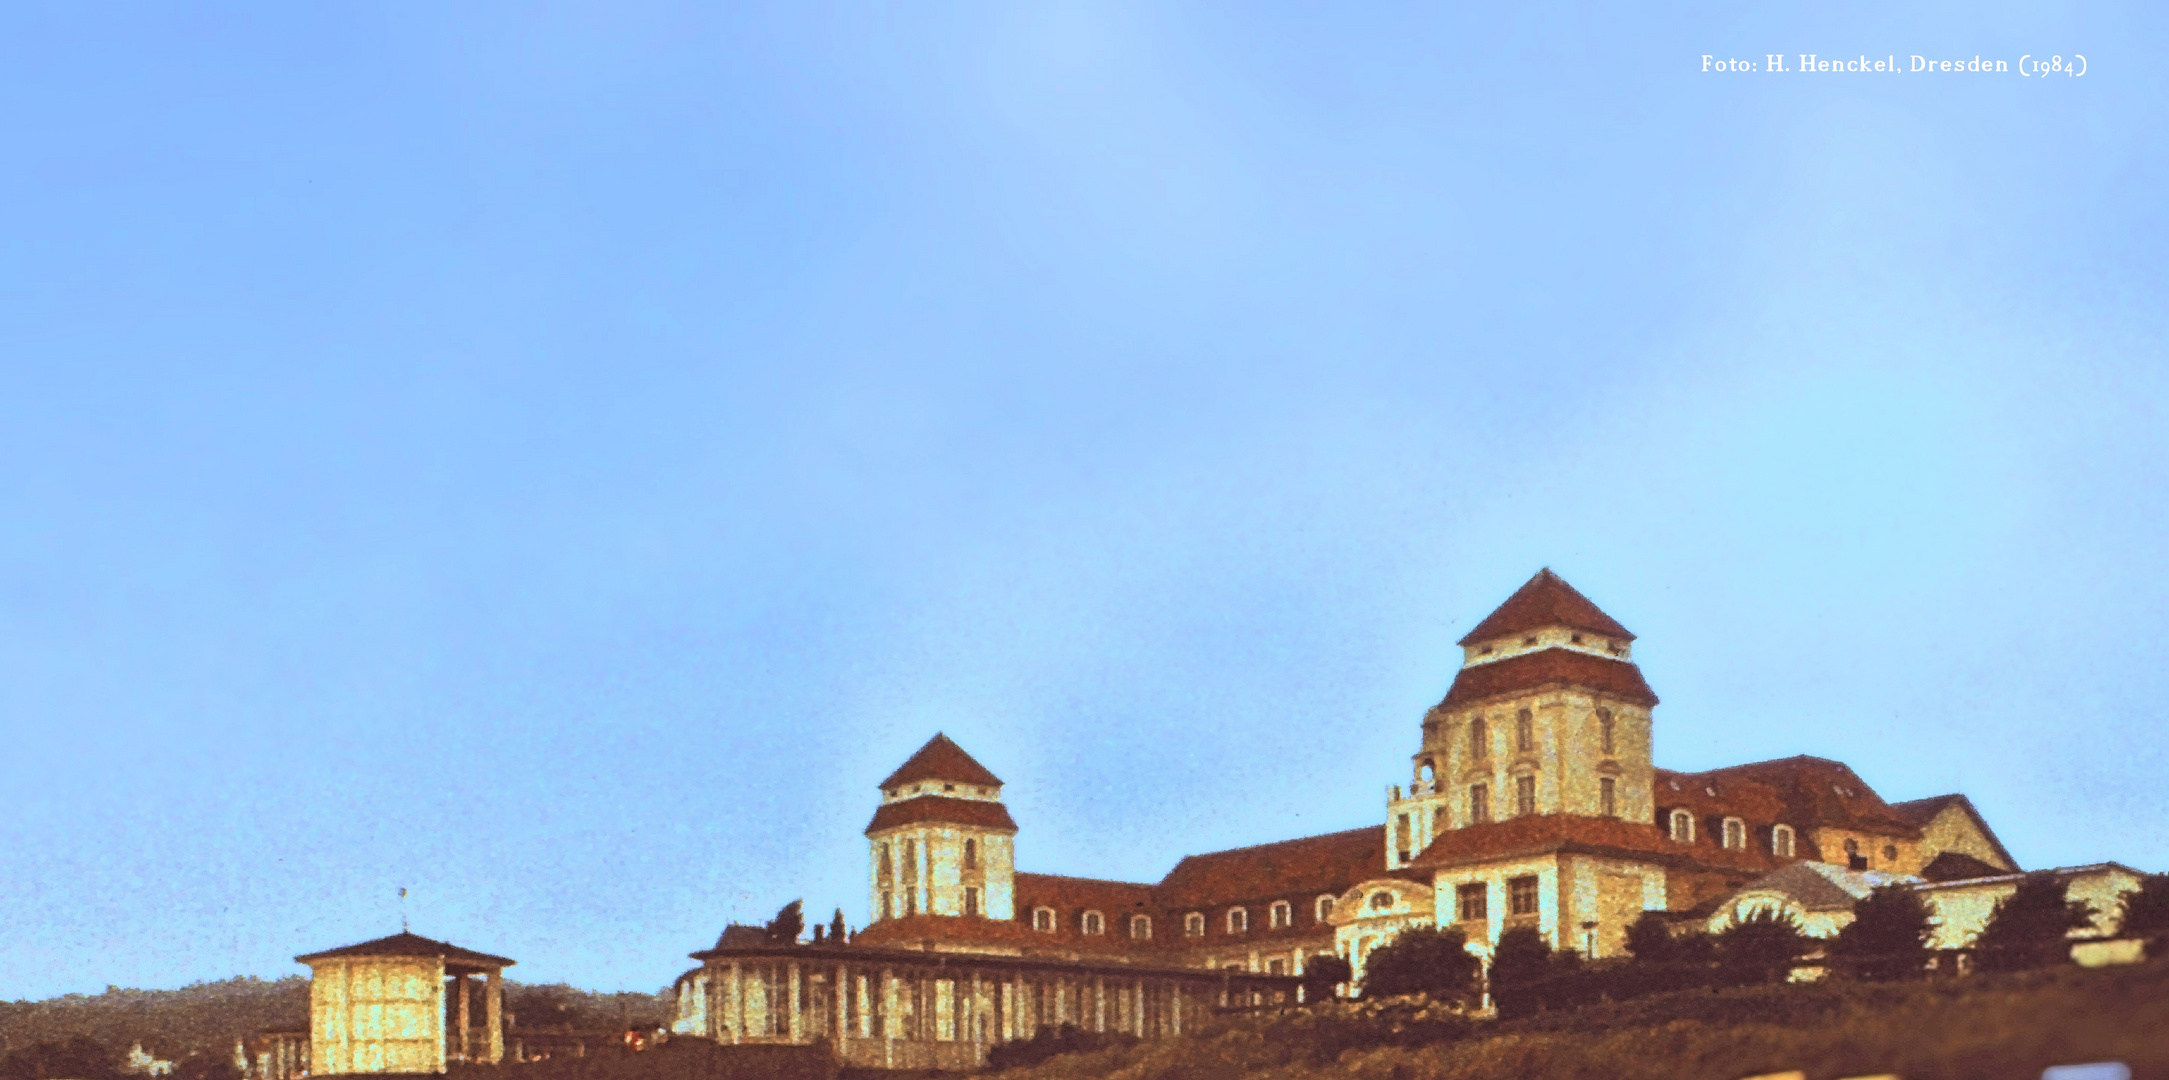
{"x": 402, "y": 909}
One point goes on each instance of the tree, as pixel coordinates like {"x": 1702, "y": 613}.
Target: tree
{"x": 79, "y": 1058}
{"x": 1519, "y": 963}
{"x": 1422, "y": 960}
{"x": 1762, "y": 945}
{"x": 1888, "y": 937}
{"x": 2031, "y": 927}
{"x": 787, "y": 925}
{"x": 211, "y": 1066}
{"x": 1321, "y": 974}
{"x": 836, "y": 928}
{"x": 1649, "y": 939}
{"x": 2145, "y": 914}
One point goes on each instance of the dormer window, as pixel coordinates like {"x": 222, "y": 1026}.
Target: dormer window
{"x": 1043, "y": 920}
{"x": 1238, "y": 921}
{"x": 1095, "y": 923}
{"x": 1193, "y": 924}
{"x": 1140, "y": 927}
{"x": 1381, "y": 900}
{"x": 1683, "y": 827}
{"x": 1735, "y": 834}
{"x": 1781, "y": 841}
{"x": 1324, "y": 908}
{"x": 1281, "y": 914}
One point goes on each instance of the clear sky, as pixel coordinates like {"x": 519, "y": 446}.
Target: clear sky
{"x": 558, "y": 458}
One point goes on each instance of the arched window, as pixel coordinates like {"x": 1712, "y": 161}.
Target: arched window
{"x": 1607, "y": 796}
{"x": 1280, "y": 914}
{"x": 888, "y": 905}
{"x": 1094, "y": 923}
{"x": 971, "y": 900}
{"x": 1781, "y": 841}
{"x": 1238, "y": 920}
{"x": 1604, "y": 730}
{"x": 911, "y": 860}
{"x": 1479, "y": 738}
{"x": 1890, "y": 853}
{"x": 1524, "y": 732}
{"x": 1425, "y": 776}
{"x": 1381, "y": 900}
{"x": 971, "y": 854}
{"x": 1323, "y": 909}
{"x": 1193, "y": 924}
{"x": 1735, "y": 834}
{"x": 1043, "y": 920}
{"x": 887, "y": 868}
{"x": 1683, "y": 826}
{"x": 1140, "y": 927}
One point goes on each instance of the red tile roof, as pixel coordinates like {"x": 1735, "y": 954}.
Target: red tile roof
{"x": 406, "y": 944}
{"x": 1549, "y": 667}
{"x": 1816, "y": 792}
{"x": 985, "y": 815}
{"x": 1289, "y": 869}
{"x": 1546, "y": 600}
{"x": 941, "y": 759}
{"x": 1545, "y": 833}
{"x": 934, "y": 931}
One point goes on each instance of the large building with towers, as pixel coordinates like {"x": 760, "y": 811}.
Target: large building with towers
{"x": 1534, "y": 799}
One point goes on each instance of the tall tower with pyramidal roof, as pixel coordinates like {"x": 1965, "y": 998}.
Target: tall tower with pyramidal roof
{"x": 941, "y": 842}
{"x": 1548, "y": 715}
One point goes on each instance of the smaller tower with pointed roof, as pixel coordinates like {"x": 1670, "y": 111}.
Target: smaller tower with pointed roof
{"x": 941, "y": 842}
{"x": 1548, "y": 715}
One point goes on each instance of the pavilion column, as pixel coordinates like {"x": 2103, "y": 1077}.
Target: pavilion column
{"x": 465, "y": 1050}
{"x": 734, "y": 1003}
{"x": 797, "y": 1025}
{"x": 843, "y": 1003}
{"x": 493, "y": 1014}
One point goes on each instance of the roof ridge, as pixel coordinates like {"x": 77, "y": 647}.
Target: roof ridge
{"x": 1279, "y": 843}
{"x": 1546, "y": 600}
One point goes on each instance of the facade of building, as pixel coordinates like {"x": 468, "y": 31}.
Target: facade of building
{"x": 1534, "y": 800}
{"x": 379, "y": 1007}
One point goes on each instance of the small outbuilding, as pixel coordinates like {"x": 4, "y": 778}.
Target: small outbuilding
{"x": 379, "y": 1006}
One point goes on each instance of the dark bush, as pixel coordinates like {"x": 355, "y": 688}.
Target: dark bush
{"x": 1519, "y": 964}
{"x": 1423, "y": 960}
{"x": 1321, "y": 974}
{"x": 2145, "y": 914}
{"x": 1762, "y": 946}
{"x": 2030, "y": 928}
{"x": 1888, "y": 937}
{"x": 1050, "y": 1042}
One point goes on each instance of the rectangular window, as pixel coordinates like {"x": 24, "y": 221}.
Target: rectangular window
{"x": 1469, "y": 902}
{"x": 1525, "y": 795}
{"x": 1521, "y": 896}
{"x": 1524, "y": 732}
{"x": 1479, "y": 739}
{"x": 971, "y": 900}
{"x": 1608, "y": 796}
{"x": 1604, "y": 730}
{"x": 1479, "y": 804}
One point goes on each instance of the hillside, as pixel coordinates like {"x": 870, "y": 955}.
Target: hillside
{"x": 1977, "y": 1028}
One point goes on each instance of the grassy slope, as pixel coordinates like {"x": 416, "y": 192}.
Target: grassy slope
{"x": 1973, "y": 1029}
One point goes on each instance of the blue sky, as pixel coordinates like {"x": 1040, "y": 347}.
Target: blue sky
{"x": 558, "y": 460}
